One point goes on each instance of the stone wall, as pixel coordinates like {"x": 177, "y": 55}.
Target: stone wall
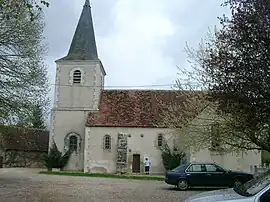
{"x": 121, "y": 164}
{"x": 23, "y": 159}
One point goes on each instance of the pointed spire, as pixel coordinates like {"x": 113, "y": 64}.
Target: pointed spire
{"x": 87, "y": 3}
{"x": 83, "y": 45}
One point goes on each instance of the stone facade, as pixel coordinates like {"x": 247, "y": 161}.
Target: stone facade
{"x": 73, "y": 103}
{"x": 125, "y": 143}
{"x": 144, "y": 142}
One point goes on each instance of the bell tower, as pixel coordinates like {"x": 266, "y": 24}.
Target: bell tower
{"x": 78, "y": 84}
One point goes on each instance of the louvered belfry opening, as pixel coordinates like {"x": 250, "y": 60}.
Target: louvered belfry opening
{"x": 77, "y": 76}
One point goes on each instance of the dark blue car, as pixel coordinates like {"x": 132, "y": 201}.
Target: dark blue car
{"x": 205, "y": 175}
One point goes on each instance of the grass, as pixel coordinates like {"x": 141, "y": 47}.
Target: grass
{"x": 101, "y": 175}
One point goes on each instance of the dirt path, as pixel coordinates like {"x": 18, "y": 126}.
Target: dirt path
{"x": 23, "y": 185}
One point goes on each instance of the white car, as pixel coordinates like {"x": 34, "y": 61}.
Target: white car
{"x": 256, "y": 190}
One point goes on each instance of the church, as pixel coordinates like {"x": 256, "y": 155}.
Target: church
{"x": 113, "y": 130}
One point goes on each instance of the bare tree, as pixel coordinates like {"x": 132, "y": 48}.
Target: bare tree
{"x": 23, "y": 75}
{"x": 232, "y": 66}
{"x": 31, "y": 6}
{"x": 182, "y": 115}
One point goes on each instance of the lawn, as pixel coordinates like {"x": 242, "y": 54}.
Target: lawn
{"x": 101, "y": 175}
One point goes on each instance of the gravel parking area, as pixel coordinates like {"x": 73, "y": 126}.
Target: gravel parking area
{"x": 26, "y": 186}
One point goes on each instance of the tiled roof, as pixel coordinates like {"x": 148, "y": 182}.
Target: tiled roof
{"x": 22, "y": 139}
{"x": 140, "y": 108}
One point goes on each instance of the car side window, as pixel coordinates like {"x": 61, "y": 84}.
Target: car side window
{"x": 195, "y": 168}
{"x": 265, "y": 197}
{"x": 211, "y": 168}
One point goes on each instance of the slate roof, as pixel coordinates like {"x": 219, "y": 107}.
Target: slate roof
{"x": 140, "y": 108}
{"x": 21, "y": 139}
{"x": 83, "y": 45}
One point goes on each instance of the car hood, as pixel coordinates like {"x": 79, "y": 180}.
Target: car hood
{"x": 215, "y": 196}
{"x": 239, "y": 172}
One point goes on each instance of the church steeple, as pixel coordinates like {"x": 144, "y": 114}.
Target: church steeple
{"x": 83, "y": 45}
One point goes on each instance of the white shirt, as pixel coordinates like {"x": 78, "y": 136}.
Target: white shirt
{"x": 147, "y": 163}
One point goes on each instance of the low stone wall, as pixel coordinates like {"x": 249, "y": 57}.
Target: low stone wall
{"x": 25, "y": 159}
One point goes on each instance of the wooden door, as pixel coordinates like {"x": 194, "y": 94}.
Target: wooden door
{"x": 1, "y": 161}
{"x": 136, "y": 163}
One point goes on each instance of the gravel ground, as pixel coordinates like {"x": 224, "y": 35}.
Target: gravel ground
{"x": 22, "y": 185}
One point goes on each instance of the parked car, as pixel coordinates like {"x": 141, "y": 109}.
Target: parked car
{"x": 205, "y": 175}
{"x": 256, "y": 190}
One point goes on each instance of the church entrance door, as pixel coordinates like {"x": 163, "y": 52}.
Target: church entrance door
{"x": 136, "y": 163}
{"x": 1, "y": 161}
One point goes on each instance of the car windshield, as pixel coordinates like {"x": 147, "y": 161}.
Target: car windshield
{"x": 221, "y": 168}
{"x": 254, "y": 186}
{"x": 179, "y": 168}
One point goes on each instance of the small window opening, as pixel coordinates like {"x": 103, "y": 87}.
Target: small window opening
{"x": 107, "y": 142}
{"x": 160, "y": 140}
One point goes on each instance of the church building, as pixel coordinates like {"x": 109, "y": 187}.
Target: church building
{"x": 112, "y": 130}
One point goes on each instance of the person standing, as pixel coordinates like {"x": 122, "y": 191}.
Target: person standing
{"x": 147, "y": 164}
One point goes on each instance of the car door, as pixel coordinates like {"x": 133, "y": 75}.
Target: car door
{"x": 216, "y": 176}
{"x": 196, "y": 175}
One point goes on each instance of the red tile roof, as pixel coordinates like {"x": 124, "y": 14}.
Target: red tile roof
{"x": 139, "y": 108}
{"x": 14, "y": 138}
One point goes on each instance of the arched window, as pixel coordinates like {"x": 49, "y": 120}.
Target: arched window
{"x": 160, "y": 140}
{"x": 77, "y": 76}
{"x": 107, "y": 142}
{"x": 73, "y": 143}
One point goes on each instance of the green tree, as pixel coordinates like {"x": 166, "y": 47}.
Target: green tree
{"x": 38, "y": 118}
{"x": 234, "y": 65}
{"x": 34, "y": 118}
{"x": 23, "y": 75}
{"x": 55, "y": 158}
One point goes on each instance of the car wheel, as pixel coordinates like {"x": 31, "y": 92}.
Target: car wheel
{"x": 182, "y": 185}
{"x": 236, "y": 183}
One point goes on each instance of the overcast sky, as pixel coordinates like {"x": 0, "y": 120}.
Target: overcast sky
{"x": 140, "y": 42}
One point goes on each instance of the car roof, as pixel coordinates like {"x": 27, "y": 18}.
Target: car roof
{"x": 196, "y": 162}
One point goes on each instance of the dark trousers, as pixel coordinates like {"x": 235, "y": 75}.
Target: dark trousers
{"x": 146, "y": 169}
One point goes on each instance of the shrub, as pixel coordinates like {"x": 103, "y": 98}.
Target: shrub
{"x": 171, "y": 157}
{"x": 55, "y": 158}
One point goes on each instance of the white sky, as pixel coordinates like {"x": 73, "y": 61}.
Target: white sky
{"x": 140, "y": 42}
